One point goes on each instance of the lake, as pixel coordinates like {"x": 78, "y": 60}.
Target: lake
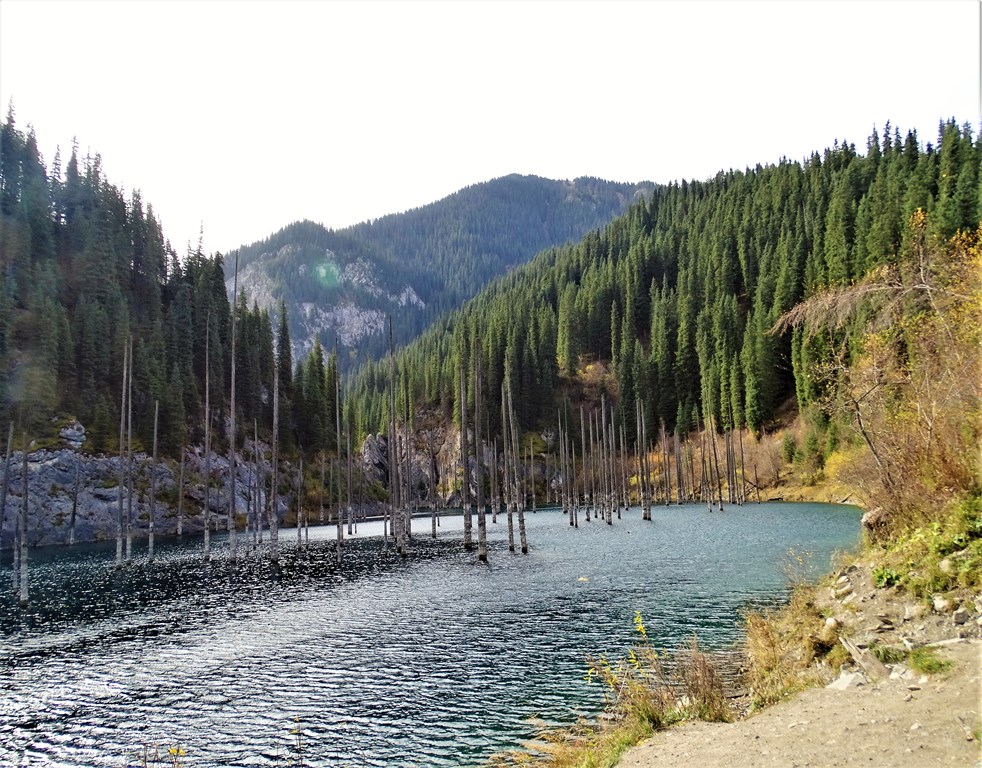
{"x": 431, "y": 660}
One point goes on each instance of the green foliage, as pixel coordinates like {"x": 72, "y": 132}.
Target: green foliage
{"x": 926, "y": 661}
{"x": 885, "y": 577}
{"x": 940, "y": 556}
{"x": 84, "y": 269}
{"x": 678, "y": 296}
{"x": 789, "y": 448}
{"x": 446, "y": 251}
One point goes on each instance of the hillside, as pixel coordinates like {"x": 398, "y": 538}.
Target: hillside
{"x": 676, "y": 300}
{"x": 419, "y": 264}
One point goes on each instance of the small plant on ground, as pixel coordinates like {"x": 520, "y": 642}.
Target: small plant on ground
{"x": 644, "y": 691}
{"x": 151, "y": 756}
{"x": 927, "y": 662}
{"x": 885, "y": 577}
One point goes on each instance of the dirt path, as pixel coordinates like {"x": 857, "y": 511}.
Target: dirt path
{"x": 905, "y": 722}
{"x": 886, "y": 724}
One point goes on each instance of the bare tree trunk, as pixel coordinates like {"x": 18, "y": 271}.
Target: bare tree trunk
{"x": 299, "y": 488}
{"x": 574, "y": 477}
{"x": 637, "y": 450}
{"x": 337, "y": 417}
{"x": 257, "y": 517}
{"x": 180, "y": 497}
{"x": 464, "y": 462}
{"x": 273, "y": 501}
{"x": 410, "y": 495}
{"x": 434, "y": 512}
{"x": 719, "y": 485}
{"x": 347, "y": 435}
{"x": 743, "y": 472}
{"x": 322, "y": 489}
{"x": 22, "y": 596}
{"x": 495, "y": 482}
{"x": 129, "y": 459}
{"x": 153, "y": 482}
{"x": 507, "y": 489}
{"x": 482, "y": 521}
{"x": 521, "y": 509}
{"x": 393, "y": 446}
{"x": 6, "y": 480}
{"x": 231, "y": 422}
{"x": 587, "y": 500}
{"x": 624, "y": 482}
{"x": 71, "y": 523}
{"x": 122, "y": 450}
{"x": 207, "y": 509}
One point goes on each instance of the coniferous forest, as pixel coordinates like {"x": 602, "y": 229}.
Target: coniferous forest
{"x": 672, "y": 305}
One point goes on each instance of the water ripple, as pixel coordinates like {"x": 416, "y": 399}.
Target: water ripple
{"x": 431, "y": 660}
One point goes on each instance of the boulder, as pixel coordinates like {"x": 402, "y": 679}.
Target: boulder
{"x": 875, "y": 522}
{"x": 847, "y": 680}
{"x": 942, "y": 604}
{"x": 73, "y": 434}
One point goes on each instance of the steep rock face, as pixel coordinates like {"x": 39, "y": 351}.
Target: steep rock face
{"x": 348, "y": 301}
{"x": 343, "y": 285}
{"x": 51, "y": 495}
{"x": 433, "y": 458}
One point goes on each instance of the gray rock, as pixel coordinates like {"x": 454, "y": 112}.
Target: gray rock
{"x": 942, "y": 604}
{"x": 961, "y": 616}
{"x": 847, "y": 680}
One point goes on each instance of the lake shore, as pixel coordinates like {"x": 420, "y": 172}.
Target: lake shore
{"x": 927, "y": 722}
{"x": 902, "y": 717}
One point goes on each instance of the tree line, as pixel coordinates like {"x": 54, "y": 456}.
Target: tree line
{"x": 84, "y": 267}
{"x": 676, "y": 301}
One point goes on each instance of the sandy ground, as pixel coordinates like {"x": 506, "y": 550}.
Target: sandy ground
{"x": 886, "y": 724}
{"x": 907, "y": 723}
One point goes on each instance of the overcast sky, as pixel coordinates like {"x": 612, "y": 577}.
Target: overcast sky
{"x": 245, "y": 116}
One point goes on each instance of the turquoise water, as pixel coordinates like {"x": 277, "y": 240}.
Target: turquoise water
{"x": 434, "y": 660}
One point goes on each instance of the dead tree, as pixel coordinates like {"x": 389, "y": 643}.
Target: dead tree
{"x": 22, "y": 594}
{"x": 482, "y": 522}
{"x": 207, "y": 510}
{"x": 272, "y": 502}
{"x": 122, "y": 450}
{"x": 153, "y": 482}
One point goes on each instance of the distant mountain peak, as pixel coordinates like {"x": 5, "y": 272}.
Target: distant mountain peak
{"x": 416, "y": 265}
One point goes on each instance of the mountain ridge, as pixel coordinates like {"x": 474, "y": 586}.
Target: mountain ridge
{"x": 341, "y": 284}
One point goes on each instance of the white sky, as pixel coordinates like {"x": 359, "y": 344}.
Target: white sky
{"x": 245, "y": 116}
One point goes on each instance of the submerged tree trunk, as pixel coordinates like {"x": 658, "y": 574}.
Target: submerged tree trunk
{"x": 482, "y": 521}
{"x": 231, "y": 423}
{"x": 207, "y": 510}
{"x": 6, "y": 480}
{"x": 515, "y": 453}
{"x": 129, "y": 459}
{"x": 71, "y": 522}
{"x": 465, "y": 483}
{"x": 337, "y": 418}
{"x": 273, "y": 501}
{"x": 122, "y": 453}
{"x": 153, "y": 482}
{"x": 180, "y": 497}
{"x": 22, "y": 594}
{"x": 435, "y": 511}
{"x": 507, "y": 484}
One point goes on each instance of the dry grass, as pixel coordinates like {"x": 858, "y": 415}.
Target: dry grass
{"x": 782, "y": 646}
{"x": 645, "y": 691}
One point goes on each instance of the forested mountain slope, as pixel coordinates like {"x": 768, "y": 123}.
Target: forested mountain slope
{"x": 675, "y": 299}
{"x": 418, "y": 264}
